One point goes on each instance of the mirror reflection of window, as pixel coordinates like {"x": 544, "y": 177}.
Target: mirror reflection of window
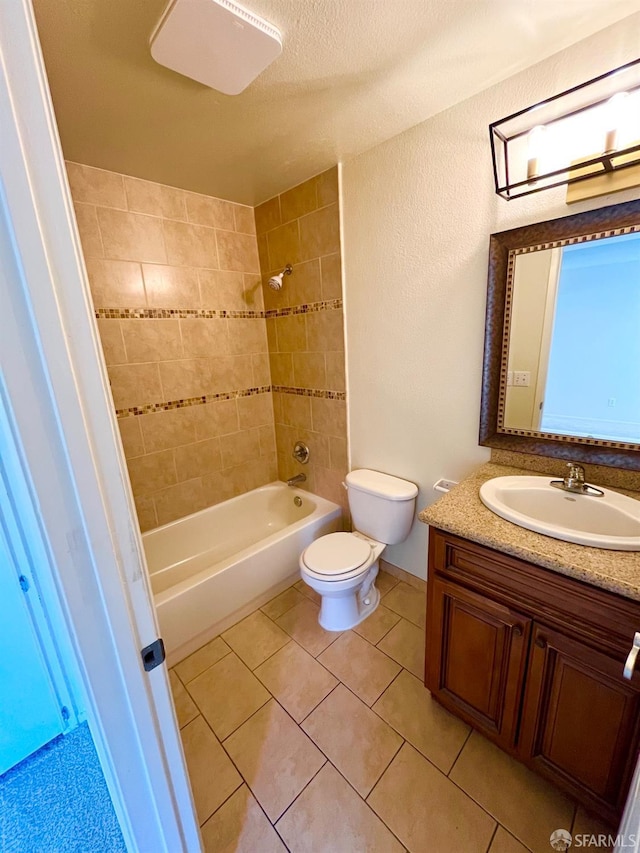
{"x": 574, "y": 341}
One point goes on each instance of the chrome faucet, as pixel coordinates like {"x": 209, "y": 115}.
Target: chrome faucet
{"x": 574, "y": 482}
{"x": 299, "y": 478}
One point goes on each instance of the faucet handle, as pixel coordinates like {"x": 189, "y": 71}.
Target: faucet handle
{"x": 576, "y": 472}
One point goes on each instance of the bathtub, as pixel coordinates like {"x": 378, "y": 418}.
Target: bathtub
{"x": 215, "y": 566}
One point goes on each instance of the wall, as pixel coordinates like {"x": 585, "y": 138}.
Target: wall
{"x": 305, "y": 330}
{"x": 417, "y": 214}
{"x": 176, "y": 287}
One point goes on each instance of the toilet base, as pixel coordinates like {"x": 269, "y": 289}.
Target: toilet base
{"x": 341, "y": 612}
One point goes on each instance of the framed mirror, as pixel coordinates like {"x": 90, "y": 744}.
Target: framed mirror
{"x": 561, "y": 372}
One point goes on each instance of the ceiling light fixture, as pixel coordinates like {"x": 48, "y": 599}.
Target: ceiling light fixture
{"x": 589, "y": 132}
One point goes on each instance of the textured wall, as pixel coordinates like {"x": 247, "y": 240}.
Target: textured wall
{"x": 177, "y": 291}
{"x": 305, "y": 330}
{"x": 417, "y": 212}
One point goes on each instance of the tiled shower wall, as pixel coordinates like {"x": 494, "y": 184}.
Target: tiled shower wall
{"x": 305, "y": 330}
{"x": 176, "y": 288}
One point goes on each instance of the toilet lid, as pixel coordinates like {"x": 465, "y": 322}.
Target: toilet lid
{"x": 336, "y": 554}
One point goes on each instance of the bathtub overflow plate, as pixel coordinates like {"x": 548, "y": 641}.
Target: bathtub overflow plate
{"x": 297, "y": 500}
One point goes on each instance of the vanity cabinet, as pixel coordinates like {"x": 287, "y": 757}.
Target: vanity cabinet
{"x": 534, "y": 660}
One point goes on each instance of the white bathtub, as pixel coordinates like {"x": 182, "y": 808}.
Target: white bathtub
{"x": 213, "y": 565}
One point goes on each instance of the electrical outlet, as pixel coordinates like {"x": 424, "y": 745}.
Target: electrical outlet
{"x": 510, "y": 377}
{"x": 522, "y": 378}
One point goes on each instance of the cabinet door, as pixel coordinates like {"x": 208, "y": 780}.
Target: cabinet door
{"x": 580, "y": 719}
{"x": 476, "y": 654}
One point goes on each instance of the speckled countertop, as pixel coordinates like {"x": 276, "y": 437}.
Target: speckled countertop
{"x": 462, "y": 513}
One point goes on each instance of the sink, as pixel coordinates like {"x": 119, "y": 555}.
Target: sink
{"x": 611, "y": 521}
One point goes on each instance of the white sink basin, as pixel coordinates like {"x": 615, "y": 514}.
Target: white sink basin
{"x": 611, "y": 521}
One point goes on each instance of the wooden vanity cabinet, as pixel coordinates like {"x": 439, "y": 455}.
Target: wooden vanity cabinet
{"x": 533, "y": 659}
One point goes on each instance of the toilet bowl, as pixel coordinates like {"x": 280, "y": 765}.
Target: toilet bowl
{"x": 342, "y": 567}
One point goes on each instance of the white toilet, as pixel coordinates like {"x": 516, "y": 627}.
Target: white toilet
{"x": 342, "y": 567}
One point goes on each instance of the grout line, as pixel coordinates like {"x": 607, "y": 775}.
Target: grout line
{"x": 495, "y": 832}
{"x": 455, "y": 761}
{"x": 226, "y": 800}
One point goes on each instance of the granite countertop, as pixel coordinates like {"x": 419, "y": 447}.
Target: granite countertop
{"x": 462, "y": 513}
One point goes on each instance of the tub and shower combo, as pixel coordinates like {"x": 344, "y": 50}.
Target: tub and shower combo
{"x": 215, "y": 566}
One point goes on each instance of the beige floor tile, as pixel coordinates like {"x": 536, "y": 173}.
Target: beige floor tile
{"x": 503, "y": 842}
{"x": 283, "y": 602}
{"x": 385, "y": 582}
{"x": 528, "y": 806}
{"x": 255, "y": 639}
{"x": 408, "y": 602}
{"x": 185, "y": 707}
{"x": 353, "y": 738}
{"x": 275, "y": 757}
{"x": 425, "y": 809}
{"x": 363, "y": 668}
{"x": 378, "y": 624}
{"x": 305, "y": 589}
{"x": 301, "y": 623}
{"x": 213, "y": 777}
{"x": 405, "y": 644}
{"x": 296, "y": 679}
{"x": 329, "y": 817}
{"x": 407, "y": 706}
{"x": 587, "y": 824}
{"x": 227, "y": 694}
{"x": 240, "y": 826}
{"x": 205, "y": 657}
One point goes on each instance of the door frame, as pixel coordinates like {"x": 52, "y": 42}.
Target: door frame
{"x": 66, "y": 434}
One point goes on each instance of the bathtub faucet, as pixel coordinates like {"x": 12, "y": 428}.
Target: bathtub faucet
{"x": 299, "y": 478}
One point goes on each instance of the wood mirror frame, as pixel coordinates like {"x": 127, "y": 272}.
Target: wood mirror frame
{"x": 572, "y": 448}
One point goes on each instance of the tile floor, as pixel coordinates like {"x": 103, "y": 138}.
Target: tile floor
{"x": 314, "y": 742}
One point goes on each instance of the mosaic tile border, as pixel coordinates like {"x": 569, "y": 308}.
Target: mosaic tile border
{"x": 310, "y": 392}
{"x": 212, "y": 314}
{"x": 150, "y": 408}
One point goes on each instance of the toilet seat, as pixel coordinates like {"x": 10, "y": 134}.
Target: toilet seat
{"x": 337, "y": 556}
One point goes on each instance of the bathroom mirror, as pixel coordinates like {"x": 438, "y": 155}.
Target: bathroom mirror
{"x": 562, "y": 343}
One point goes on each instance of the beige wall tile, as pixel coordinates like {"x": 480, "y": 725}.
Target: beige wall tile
{"x": 146, "y": 512}
{"x": 116, "y": 284}
{"x": 155, "y": 199}
{"x": 232, "y": 373}
{"x": 253, "y": 291}
{"x": 202, "y": 338}
{"x": 178, "y": 501}
{"x": 247, "y": 335}
{"x": 267, "y": 440}
{"x": 152, "y": 340}
{"x": 255, "y": 411}
{"x": 263, "y": 253}
{"x": 199, "y": 459}
{"x": 331, "y": 275}
{"x": 131, "y": 436}
{"x": 325, "y": 332}
{"x": 328, "y": 484}
{"x": 291, "y": 332}
{"x": 329, "y": 416}
{"x": 164, "y": 430}
{"x": 131, "y": 236}
{"x": 217, "y": 418}
{"x": 305, "y": 283}
{"x": 152, "y": 472}
{"x": 320, "y": 233}
{"x": 190, "y": 245}
{"x": 309, "y": 370}
{"x": 281, "y": 366}
{"x": 298, "y": 200}
{"x": 296, "y": 410}
{"x": 240, "y": 447}
{"x": 238, "y": 252}
{"x": 268, "y": 215}
{"x": 135, "y": 385}
{"x": 96, "y": 186}
{"x": 327, "y": 187}
{"x": 223, "y": 485}
{"x": 244, "y": 218}
{"x": 284, "y": 246}
{"x": 335, "y": 367}
{"x": 206, "y": 210}
{"x": 221, "y": 289}
{"x": 338, "y": 453}
{"x": 261, "y": 369}
{"x": 188, "y": 377}
{"x": 171, "y": 287}
{"x": 272, "y": 337}
{"x": 112, "y": 343}
{"x": 87, "y": 221}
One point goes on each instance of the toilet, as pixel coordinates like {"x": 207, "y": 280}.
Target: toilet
{"x": 342, "y": 567}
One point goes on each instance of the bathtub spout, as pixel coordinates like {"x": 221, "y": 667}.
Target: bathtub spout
{"x": 299, "y": 478}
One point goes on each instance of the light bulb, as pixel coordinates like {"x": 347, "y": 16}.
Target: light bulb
{"x": 535, "y": 146}
{"x": 615, "y": 115}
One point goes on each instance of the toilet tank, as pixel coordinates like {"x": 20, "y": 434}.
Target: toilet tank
{"x": 382, "y": 506}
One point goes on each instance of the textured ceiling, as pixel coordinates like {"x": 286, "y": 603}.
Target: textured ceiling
{"x": 352, "y": 74}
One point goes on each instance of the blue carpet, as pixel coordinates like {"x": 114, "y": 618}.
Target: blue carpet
{"x": 56, "y": 801}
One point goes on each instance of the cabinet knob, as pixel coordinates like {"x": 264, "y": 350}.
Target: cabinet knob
{"x": 517, "y": 630}
{"x": 541, "y": 643}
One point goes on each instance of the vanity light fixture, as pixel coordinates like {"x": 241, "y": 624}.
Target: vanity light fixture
{"x": 588, "y": 133}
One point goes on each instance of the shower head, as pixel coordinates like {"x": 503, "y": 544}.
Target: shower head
{"x": 275, "y": 282}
